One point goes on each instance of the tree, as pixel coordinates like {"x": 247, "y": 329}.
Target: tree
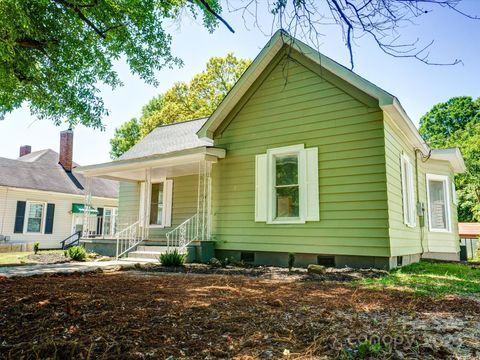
{"x": 125, "y": 137}
{"x": 54, "y": 53}
{"x": 184, "y": 101}
{"x": 456, "y": 123}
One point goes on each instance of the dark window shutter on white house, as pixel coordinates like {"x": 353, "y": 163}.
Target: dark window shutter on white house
{"x": 49, "y": 218}
{"x": 19, "y": 217}
{"x": 100, "y": 221}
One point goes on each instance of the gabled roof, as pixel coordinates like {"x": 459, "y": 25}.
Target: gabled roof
{"x": 168, "y": 138}
{"x": 452, "y": 155}
{"x": 279, "y": 41}
{"x": 40, "y": 170}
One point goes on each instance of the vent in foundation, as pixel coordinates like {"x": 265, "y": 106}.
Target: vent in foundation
{"x": 247, "y": 256}
{"x": 328, "y": 261}
{"x": 399, "y": 261}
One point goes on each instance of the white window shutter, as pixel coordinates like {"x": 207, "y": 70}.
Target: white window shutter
{"x": 411, "y": 194}
{"x": 141, "y": 208}
{"x": 261, "y": 191}
{"x": 313, "y": 203}
{"x": 167, "y": 203}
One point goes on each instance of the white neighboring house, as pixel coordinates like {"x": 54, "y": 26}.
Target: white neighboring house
{"x": 41, "y": 200}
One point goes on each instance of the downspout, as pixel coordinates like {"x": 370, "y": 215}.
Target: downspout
{"x": 420, "y": 205}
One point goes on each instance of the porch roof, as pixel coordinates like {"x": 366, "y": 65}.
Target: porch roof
{"x": 171, "y": 164}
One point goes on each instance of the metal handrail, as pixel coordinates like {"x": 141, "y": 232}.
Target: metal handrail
{"x": 129, "y": 238}
{"x": 76, "y": 241}
{"x": 180, "y": 237}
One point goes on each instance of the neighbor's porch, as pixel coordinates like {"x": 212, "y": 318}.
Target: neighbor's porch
{"x": 164, "y": 201}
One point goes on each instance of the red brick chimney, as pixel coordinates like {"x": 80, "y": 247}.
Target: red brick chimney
{"x": 66, "y": 149}
{"x": 25, "y": 150}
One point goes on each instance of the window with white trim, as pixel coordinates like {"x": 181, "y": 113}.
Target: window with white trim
{"x": 156, "y": 204}
{"x": 438, "y": 203}
{"x": 158, "y": 210}
{"x": 408, "y": 191}
{"x": 286, "y": 185}
{"x": 35, "y": 216}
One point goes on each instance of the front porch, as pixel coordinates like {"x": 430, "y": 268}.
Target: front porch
{"x": 165, "y": 204}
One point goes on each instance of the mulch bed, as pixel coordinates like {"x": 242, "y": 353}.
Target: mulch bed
{"x": 147, "y": 315}
{"x": 48, "y": 258}
{"x": 270, "y": 272}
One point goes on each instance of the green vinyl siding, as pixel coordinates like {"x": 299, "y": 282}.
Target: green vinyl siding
{"x": 292, "y": 104}
{"x": 184, "y": 202}
{"x": 406, "y": 240}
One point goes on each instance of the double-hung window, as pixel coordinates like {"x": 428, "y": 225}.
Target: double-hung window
{"x": 438, "y": 203}
{"x": 408, "y": 191}
{"x": 156, "y": 204}
{"x": 158, "y": 207}
{"x": 286, "y": 185}
{"x": 35, "y": 216}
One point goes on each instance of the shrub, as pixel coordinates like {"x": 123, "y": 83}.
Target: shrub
{"x": 291, "y": 261}
{"x": 172, "y": 258}
{"x": 36, "y": 247}
{"x": 77, "y": 253}
{"x": 215, "y": 263}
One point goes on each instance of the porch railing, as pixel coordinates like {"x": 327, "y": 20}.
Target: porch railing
{"x": 72, "y": 240}
{"x": 180, "y": 237}
{"x": 130, "y": 237}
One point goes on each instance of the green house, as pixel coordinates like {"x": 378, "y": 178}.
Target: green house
{"x": 302, "y": 156}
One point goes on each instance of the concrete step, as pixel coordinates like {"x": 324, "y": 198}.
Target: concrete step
{"x": 156, "y": 248}
{"x": 144, "y": 254}
{"x": 140, "y": 260}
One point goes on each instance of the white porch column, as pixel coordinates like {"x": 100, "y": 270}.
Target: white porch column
{"x": 204, "y": 200}
{"x": 145, "y": 222}
{"x": 87, "y": 205}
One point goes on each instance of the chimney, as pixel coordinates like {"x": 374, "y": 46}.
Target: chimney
{"x": 25, "y": 150}
{"x": 66, "y": 149}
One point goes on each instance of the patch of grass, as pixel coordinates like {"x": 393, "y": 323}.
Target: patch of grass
{"x": 431, "y": 278}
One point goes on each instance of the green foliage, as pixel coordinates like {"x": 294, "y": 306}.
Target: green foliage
{"x": 54, "y": 54}
{"x": 367, "y": 348}
{"x": 429, "y": 278}
{"x": 77, "y": 253}
{"x": 127, "y": 135}
{"x": 183, "y": 101}
{"x": 172, "y": 258}
{"x": 36, "y": 247}
{"x": 456, "y": 123}
{"x": 291, "y": 261}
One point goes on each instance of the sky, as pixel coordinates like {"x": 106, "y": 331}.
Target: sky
{"x": 416, "y": 85}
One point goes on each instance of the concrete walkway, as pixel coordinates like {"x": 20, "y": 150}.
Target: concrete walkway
{"x": 63, "y": 268}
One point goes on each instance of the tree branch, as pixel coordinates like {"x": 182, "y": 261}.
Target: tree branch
{"x": 207, "y": 7}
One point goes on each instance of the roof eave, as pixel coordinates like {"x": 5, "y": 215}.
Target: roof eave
{"x": 453, "y": 156}
{"x": 104, "y": 168}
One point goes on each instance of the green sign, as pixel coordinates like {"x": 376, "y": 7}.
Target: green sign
{"x": 80, "y": 209}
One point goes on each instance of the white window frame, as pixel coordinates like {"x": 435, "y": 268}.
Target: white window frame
{"x": 42, "y": 222}
{"x": 113, "y": 220}
{"x": 162, "y": 225}
{"x": 408, "y": 191}
{"x": 299, "y": 151}
{"x": 446, "y": 188}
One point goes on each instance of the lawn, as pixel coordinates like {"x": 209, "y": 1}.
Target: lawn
{"x": 432, "y": 278}
{"x": 18, "y": 258}
{"x": 152, "y": 315}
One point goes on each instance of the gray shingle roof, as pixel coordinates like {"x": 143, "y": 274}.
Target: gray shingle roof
{"x": 40, "y": 170}
{"x": 168, "y": 138}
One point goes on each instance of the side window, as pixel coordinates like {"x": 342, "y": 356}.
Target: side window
{"x": 408, "y": 191}
{"x": 35, "y": 217}
{"x": 438, "y": 203}
{"x": 286, "y": 185}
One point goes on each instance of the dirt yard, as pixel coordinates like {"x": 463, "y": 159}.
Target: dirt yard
{"x": 143, "y": 315}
